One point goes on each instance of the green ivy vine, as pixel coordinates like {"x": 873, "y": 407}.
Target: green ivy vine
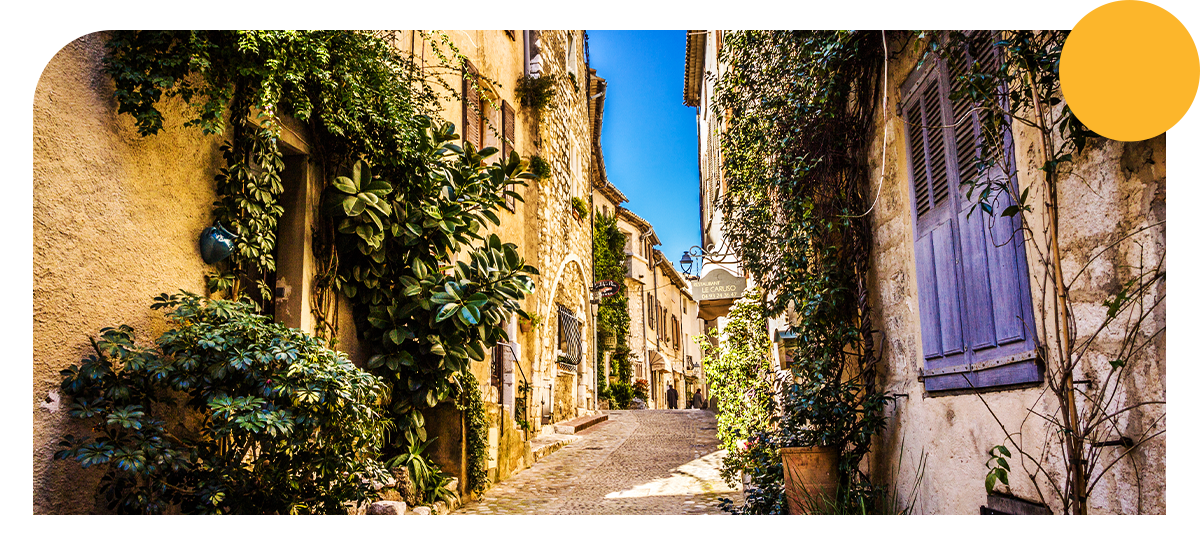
{"x": 612, "y": 317}
{"x": 800, "y": 106}
{"x": 403, "y": 209}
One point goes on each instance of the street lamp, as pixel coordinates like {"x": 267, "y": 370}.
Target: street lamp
{"x": 686, "y": 262}
{"x": 697, "y": 255}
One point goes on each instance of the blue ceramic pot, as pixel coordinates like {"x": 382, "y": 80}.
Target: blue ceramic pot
{"x": 216, "y": 244}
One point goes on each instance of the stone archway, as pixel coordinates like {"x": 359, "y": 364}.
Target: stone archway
{"x": 568, "y": 389}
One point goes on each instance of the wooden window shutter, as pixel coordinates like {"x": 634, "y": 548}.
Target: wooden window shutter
{"x": 508, "y": 123}
{"x": 472, "y": 108}
{"x": 938, "y": 287}
{"x": 972, "y": 285}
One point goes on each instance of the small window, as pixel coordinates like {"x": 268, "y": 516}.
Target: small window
{"x": 533, "y": 54}
{"x": 570, "y": 340}
{"x": 472, "y": 108}
{"x": 571, "y": 64}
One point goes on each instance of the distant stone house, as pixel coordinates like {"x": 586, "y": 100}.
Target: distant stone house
{"x": 963, "y": 319}
{"x": 663, "y": 316}
{"x": 116, "y": 219}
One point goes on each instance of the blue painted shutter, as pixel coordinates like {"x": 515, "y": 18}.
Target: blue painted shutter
{"x": 977, "y": 334}
{"x": 938, "y": 289}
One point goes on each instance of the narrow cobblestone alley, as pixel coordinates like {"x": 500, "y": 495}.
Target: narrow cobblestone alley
{"x": 639, "y": 462}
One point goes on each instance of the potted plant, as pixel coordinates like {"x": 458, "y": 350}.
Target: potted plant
{"x": 827, "y": 418}
{"x": 579, "y": 209}
{"x": 527, "y": 324}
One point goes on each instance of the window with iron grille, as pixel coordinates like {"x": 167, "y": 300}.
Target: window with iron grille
{"x": 570, "y": 339}
{"x": 972, "y": 282}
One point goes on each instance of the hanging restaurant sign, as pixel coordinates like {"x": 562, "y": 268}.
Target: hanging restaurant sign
{"x": 606, "y": 287}
{"x": 719, "y": 284}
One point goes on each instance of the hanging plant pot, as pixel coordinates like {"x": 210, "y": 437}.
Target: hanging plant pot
{"x": 216, "y": 244}
{"x": 810, "y": 478}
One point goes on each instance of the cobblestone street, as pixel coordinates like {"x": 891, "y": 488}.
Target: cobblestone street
{"x": 639, "y": 462}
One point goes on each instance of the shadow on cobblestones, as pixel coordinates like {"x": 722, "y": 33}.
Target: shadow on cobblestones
{"x": 641, "y": 462}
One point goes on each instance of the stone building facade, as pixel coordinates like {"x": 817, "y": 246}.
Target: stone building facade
{"x": 117, "y": 215}
{"x": 663, "y": 317}
{"x": 1112, "y": 220}
{"x": 545, "y": 227}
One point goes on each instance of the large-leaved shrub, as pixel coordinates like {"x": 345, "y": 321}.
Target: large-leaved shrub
{"x": 228, "y": 412}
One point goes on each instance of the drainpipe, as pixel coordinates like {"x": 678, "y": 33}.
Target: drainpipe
{"x": 658, "y": 322}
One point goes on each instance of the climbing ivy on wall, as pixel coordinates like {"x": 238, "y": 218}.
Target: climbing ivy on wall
{"x": 403, "y": 211}
{"x": 800, "y": 106}
{"x": 612, "y": 318}
{"x": 740, "y": 375}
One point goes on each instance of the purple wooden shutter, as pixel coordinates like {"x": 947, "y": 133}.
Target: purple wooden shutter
{"x": 999, "y": 313}
{"x": 938, "y": 289}
{"x": 976, "y": 333}
{"x": 472, "y": 111}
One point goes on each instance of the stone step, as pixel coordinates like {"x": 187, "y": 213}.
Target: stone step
{"x": 579, "y": 423}
{"x": 545, "y": 445}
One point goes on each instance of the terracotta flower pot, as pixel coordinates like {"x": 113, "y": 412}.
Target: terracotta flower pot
{"x": 810, "y": 477}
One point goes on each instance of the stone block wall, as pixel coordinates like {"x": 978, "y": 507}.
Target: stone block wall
{"x": 1116, "y": 188}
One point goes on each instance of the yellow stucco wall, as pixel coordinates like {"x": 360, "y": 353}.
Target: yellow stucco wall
{"x": 116, "y": 219}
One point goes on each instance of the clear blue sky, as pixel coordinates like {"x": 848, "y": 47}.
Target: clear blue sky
{"x": 649, "y": 135}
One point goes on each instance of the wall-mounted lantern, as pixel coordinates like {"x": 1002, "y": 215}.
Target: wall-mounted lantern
{"x": 216, "y": 244}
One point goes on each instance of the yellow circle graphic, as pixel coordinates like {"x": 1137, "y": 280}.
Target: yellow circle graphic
{"x": 1129, "y": 70}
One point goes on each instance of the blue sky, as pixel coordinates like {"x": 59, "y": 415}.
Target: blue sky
{"x": 649, "y": 135}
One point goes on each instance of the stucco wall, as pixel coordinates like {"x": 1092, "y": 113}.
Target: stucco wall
{"x": 116, "y": 219}
{"x": 1116, "y": 188}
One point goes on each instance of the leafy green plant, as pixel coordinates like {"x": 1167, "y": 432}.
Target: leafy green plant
{"x": 539, "y": 167}
{"x": 794, "y": 152}
{"x": 622, "y": 394}
{"x": 998, "y": 467}
{"x": 471, "y": 404}
{"x": 401, "y": 236}
{"x": 537, "y": 92}
{"x": 580, "y": 206}
{"x": 419, "y": 468}
{"x": 431, "y": 290}
{"x": 738, "y": 370}
{"x": 439, "y": 489}
{"x": 360, "y": 198}
{"x": 351, "y": 88}
{"x": 227, "y": 413}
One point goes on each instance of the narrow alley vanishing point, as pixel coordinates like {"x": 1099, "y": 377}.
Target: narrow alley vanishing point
{"x": 637, "y": 462}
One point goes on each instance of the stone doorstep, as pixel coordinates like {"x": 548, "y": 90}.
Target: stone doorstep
{"x": 575, "y": 425}
{"x": 545, "y": 445}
